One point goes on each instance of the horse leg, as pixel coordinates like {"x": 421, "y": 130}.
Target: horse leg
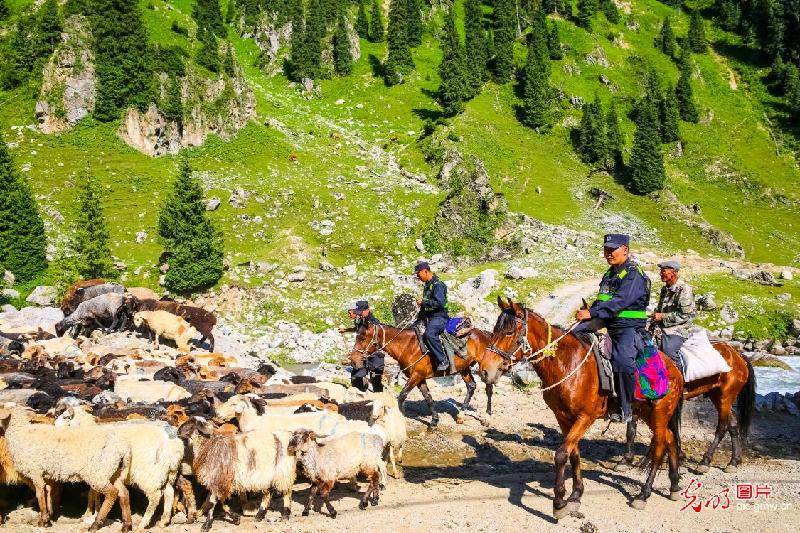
{"x": 423, "y": 388}
{"x": 674, "y": 465}
{"x": 489, "y": 391}
{"x": 724, "y": 413}
{"x": 657, "y": 447}
{"x": 413, "y": 381}
{"x": 469, "y": 380}
{"x": 573, "y": 434}
{"x": 736, "y": 444}
{"x": 630, "y": 439}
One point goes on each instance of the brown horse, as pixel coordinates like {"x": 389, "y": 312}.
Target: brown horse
{"x": 403, "y": 346}
{"x": 575, "y": 399}
{"x": 738, "y": 384}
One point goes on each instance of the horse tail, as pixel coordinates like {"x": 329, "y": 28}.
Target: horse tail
{"x": 675, "y": 423}
{"x": 746, "y": 402}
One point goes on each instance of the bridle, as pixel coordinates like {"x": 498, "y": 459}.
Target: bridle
{"x": 523, "y": 346}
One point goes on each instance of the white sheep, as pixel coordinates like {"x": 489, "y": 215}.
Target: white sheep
{"x": 164, "y": 323}
{"x": 110, "y": 308}
{"x": 228, "y": 464}
{"x": 48, "y": 455}
{"x": 340, "y": 457}
{"x": 156, "y": 455}
{"x": 250, "y": 415}
{"x": 132, "y": 389}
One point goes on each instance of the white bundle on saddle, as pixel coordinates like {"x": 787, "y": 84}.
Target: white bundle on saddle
{"x": 700, "y": 357}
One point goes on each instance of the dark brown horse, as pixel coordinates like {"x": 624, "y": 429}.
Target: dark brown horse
{"x": 738, "y": 384}
{"x": 575, "y": 399}
{"x": 403, "y": 346}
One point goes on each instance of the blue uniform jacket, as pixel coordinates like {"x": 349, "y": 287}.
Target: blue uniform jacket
{"x": 434, "y": 299}
{"x": 629, "y": 290}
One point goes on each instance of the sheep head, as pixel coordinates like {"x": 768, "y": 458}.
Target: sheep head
{"x": 138, "y": 319}
{"x": 301, "y": 441}
{"x": 195, "y": 426}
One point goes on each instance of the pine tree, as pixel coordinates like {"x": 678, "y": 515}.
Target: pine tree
{"x": 697, "y": 33}
{"x": 728, "y": 14}
{"x": 537, "y": 93}
{"x": 666, "y": 38}
{"x": 191, "y": 238}
{"x": 208, "y": 16}
{"x": 376, "y": 30}
{"x": 230, "y": 14}
{"x": 173, "y": 104}
{"x": 647, "y": 161}
{"x": 342, "y": 58}
{"x": 586, "y": 10}
{"x": 504, "y": 36}
{"x": 315, "y": 31}
{"x": 399, "y": 60}
{"x": 208, "y": 54}
{"x": 554, "y": 6}
{"x": 554, "y": 43}
{"x": 228, "y": 62}
{"x": 791, "y": 88}
{"x": 592, "y": 138}
{"x": 614, "y": 136}
{"x": 4, "y": 11}
{"x": 610, "y": 10}
{"x": 22, "y": 239}
{"x": 297, "y": 58}
{"x": 455, "y": 87}
{"x": 90, "y": 242}
{"x": 670, "y": 115}
{"x": 683, "y": 90}
{"x": 476, "y": 42}
{"x": 415, "y": 28}
{"x": 362, "y": 24}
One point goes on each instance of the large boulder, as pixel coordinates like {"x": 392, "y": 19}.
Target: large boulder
{"x": 43, "y": 295}
{"x": 404, "y": 308}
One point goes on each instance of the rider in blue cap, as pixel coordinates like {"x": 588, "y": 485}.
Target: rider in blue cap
{"x": 433, "y": 312}
{"x": 373, "y": 366}
{"x": 620, "y": 307}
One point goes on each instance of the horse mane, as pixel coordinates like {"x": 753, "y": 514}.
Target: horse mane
{"x": 508, "y": 315}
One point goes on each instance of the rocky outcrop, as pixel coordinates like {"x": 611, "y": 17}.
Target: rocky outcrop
{"x": 219, "y": 106}
{"x": 68, "y": 80}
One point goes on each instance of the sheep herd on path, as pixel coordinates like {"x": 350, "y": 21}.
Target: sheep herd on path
{"x": 176, "y": 424}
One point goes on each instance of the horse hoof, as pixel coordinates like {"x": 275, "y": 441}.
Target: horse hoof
{"x": 675, "y": 495}
{"x": 622, "y": 467}
{"x": 731, "y": 469}
{"x": 333, "y": 514}
{"x": 702, "y": 468}
{"x": 638, "y": 504}
{"x": 305, "y": 513}
{"x": 362, "y": 505}
{"x": 558, "y": 514}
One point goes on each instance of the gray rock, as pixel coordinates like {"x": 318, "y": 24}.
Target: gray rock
{"x": 164, "y": 268}
{"x": 765, "y": 278}
{"x": 43, "y": 295}
{"x": 106, "y": 397}
{"x": 794, "y": 328}
{"x": 787, "y": 275}
{"x": 728, "y": 314}
{"x": 7, "y": 308}
{"x": 706, "y": 302}
{"x": 297, "y": 276}
{"x": 239, "y": 198}
{"x": 325, "y": 266}
{"x": 777, "y": 348}
{"x": 524, "y": 377}
{"x": 419, "y": 245}
{"x": 10, "y": 293}
{"x": 212, "y": 204}
{"x": 141, "y": 236}
{"x": 8, "y": 278}
{"x": 516, "y": 272}
{"x": 350, "y": 270}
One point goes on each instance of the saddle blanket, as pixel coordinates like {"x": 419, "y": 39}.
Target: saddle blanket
{"x": 700, "y": 357}
{"x": 652, "y": 378}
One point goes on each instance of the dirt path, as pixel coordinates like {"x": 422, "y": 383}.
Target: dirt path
{"x": 499, "y": 478}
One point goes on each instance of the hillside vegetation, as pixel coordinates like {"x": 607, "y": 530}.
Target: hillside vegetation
{"x": 347, "y": 174}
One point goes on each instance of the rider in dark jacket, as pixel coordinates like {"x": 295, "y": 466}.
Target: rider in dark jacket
{"x": 620, "y": 307}
{"x": 433, "y": 312}
{"x": 374, "y": 364}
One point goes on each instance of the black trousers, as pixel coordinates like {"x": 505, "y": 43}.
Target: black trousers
{"x": 372, "y": 371}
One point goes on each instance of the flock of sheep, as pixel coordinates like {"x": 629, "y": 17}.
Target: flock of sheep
{"x": 174, "y": 428}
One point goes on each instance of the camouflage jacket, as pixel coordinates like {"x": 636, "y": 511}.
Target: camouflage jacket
{"x": 677, "y": 305}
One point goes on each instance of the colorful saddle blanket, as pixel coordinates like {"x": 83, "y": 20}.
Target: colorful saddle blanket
{"x": 652, "y": 378}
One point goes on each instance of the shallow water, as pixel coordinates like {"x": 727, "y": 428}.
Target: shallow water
{"x": 771, "y": 379}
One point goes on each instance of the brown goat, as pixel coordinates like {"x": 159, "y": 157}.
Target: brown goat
{"x": 202, "y": 320}
{"x": 71, "y": 298}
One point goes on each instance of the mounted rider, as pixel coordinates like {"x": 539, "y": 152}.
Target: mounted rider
{"x": 373, "y": 367}
{"x": 433, "y": 313}
{"x": 675, "y": 310}
{"x": 620, "y": 307}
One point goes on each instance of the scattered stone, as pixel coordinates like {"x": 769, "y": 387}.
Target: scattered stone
{"x": 706, "y": 302}
{"x": 325, "y": 266}
{"x": 10, "y": 293}
{"x": 598, "y": 57}
{"x": 420, "y": 246}
{"x": 164, "y": 268}
{"x": 765, "y": 278}
{"x": 297, "y": 276}
{"x": 516, "y": 272}
{"x": 212, "y": 204}
{"x": 141, "y": 236}
{"x": 239, "y": 198}
{"x": 728, "y": 314}
{"x": 8, "y": 278}
{"x": 350, "y": 270}
{"x": 576, "y": 101}
{"x": 787, "y": 275}
{"x": 43, "y": 295}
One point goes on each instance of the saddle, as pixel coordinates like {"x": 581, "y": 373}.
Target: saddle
{"x": 454, "y": 345}
{"x": 602, "y": 354}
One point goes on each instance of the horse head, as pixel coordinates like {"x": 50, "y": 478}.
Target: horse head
{"x": 510, "y": 334}
{"x": 366, "y": 344}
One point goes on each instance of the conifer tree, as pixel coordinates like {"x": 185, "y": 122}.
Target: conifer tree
{"x": 297, "y": 58}
{"x": 191, "y": 238}
{"x": 535, "y": 111}
{"x": 592, "y": 138}
{"x": 554, "y": 43}
{"x": 610, "y": 10}
{"x": 228, "y": 62}
{"x": 362, "y": 24}
{"x": 666, "y": 38}
{"x": 414, "y": 8}
{"x": 230, "y": 14}
{"x": 90, "y": 242}
{"x": 314, "y": 33}
{"x": 683, "y": 90}
{"x": 791, "y": 88}
{"x": 614, "y": 136}
{"x": 647, "y": 161}
{"x": 376, "y": 30}
{"x": 342, "y": 58}
{"x": 669, "y": 116}
{"x": 208, "y": 54}
{"x": 173, "y": 103}
{"x": 4, "y": 11}
{"x": 476, "y": 42}
{"x": 554, "y": 6}
{"x": 586, "y": 10}
{"x": 22, "y": 240}
{"x": 728, "y": 14}
{"x": 455, "y": 87}
{"x": 399, "y": 60}
{"x": 504, "y": 36}
{"x": 209, "y": 17}
{"x": 697, "y": 33}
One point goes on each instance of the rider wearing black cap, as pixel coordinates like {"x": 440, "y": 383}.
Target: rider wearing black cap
{"x": 621, "y": 306}
{"x": 374, "y": 364}
{"x": 433, "y": 312}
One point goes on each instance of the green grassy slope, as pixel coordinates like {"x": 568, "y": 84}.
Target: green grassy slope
{"x": 729, "y": 167}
